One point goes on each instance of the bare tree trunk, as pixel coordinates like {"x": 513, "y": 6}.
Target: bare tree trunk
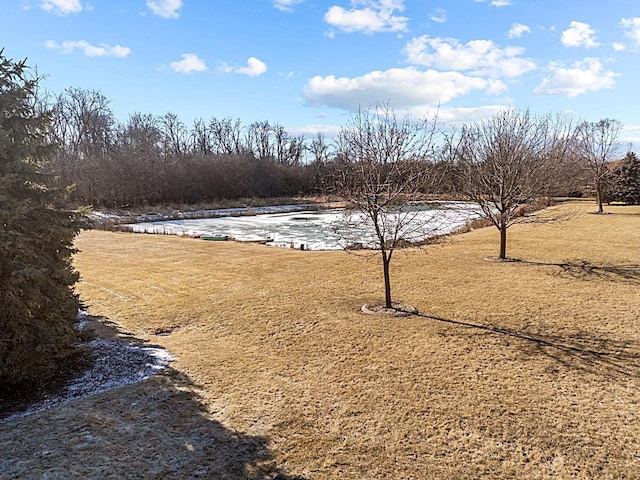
{"x": 503, "y": 242}
{"x": 599, "y": 190}
{"x": 387, "y": 279}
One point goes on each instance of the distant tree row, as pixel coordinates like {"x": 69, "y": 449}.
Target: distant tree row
{"x": 152, "y": 159}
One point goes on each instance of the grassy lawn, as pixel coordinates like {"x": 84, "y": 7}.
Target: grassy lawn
{"x": 526, "y": 369}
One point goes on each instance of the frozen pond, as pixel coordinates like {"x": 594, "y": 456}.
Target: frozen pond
{"x": 315, "y": 230}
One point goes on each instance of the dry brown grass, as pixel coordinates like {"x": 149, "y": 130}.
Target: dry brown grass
{"x": 526, "y": 369}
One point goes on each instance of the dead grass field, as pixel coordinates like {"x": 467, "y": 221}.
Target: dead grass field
{"x": 525, "y": 369}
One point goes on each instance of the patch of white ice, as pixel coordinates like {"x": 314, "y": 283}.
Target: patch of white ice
{"x": 315, "y": 229}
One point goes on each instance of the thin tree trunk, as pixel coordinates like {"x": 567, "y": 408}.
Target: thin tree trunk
{"x": 599, "y": 198}
{"x": 503, "y": 243}
{"x": 387, "y": 280}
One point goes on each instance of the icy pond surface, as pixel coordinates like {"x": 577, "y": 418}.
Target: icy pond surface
{"x": 315, "y": 230}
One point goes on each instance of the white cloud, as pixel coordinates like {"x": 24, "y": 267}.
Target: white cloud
{"x": 518, "y": 29}
{"x": 189, "y": 63}
{"x": 61, "y": 7}
{"x": 439, "y": 15}
{"x": 480, "y": 57}
{"x": 579, "y": 35}
{"x": 254, "y": 68}
{"x": 101, "y": 50}
{"x": 619, "y": 47}
{"x": 165, "y": 8}
{"x": 459, "y": 115}
{"x": 286, "y": 5}
{"x": 402, "y": 87}
{"x": 469, "y": 114}
{"x": 581, "y": 77}
{"x": 632, "y": 27}
{"x": 373, "y": 16}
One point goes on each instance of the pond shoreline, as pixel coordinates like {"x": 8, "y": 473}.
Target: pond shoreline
{"x": 312, "y": 226}
{"x": 111, "y": 219}
{"x": 119, "y": 221}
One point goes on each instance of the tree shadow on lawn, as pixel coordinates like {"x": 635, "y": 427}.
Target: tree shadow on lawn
{"x": 584, "y": 270}
{"x": 620, "y": 213}
{"x": 581, "y": 351}
{"x": 157, "y": 428}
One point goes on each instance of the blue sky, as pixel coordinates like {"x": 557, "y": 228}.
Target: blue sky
{"x": 309, "y": 64}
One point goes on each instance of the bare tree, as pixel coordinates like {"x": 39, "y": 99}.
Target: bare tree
{"x": 175, "y": 136}
{"x": 511, "y": 160}
{"x": 320, "y": 151}
{"x": 319, "y": 148}
{"x": 288, "y": 149}
{"x": 281, "y": 141}
{"x": 381, "y": 168}
{"x": 200, "y": 138}
{"x": 137, "y": 173}
{"x": 295, "y": 150}
{"x": 597, "y": 145}
{"x": 83, "y": 127}
{"x": 258, "y": 139}
{"x": 226, "y": 136}
{"x": 83, "y": 122}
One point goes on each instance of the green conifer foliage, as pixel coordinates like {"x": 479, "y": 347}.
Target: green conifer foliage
{"x": 38, "y": 306}
{"x": 626, "y": 185}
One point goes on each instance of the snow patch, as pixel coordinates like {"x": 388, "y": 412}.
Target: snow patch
{"x": 83, "y": 322}
{"x": 114, "y": 364}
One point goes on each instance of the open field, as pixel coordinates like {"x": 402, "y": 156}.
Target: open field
{"x": 524, "y": 369}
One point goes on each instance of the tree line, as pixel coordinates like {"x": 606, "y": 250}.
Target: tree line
{"x": 159, "y": 159}
{"x": 150, "y": 159}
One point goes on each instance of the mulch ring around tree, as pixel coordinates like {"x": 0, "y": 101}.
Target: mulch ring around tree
{"x": 397, "y": 309}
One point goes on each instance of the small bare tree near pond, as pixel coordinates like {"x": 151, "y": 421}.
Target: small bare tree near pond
{"x": 597, "y": 145}
{"x": 382, "y": 167}
{"x": 512, "y": 160}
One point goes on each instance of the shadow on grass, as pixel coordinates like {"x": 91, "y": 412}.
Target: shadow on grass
{"x": 157, "y": 428}
{"x": 585, "y": 270}
{"x": 581, "y": 351}
{"x": 619, "y": 211}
